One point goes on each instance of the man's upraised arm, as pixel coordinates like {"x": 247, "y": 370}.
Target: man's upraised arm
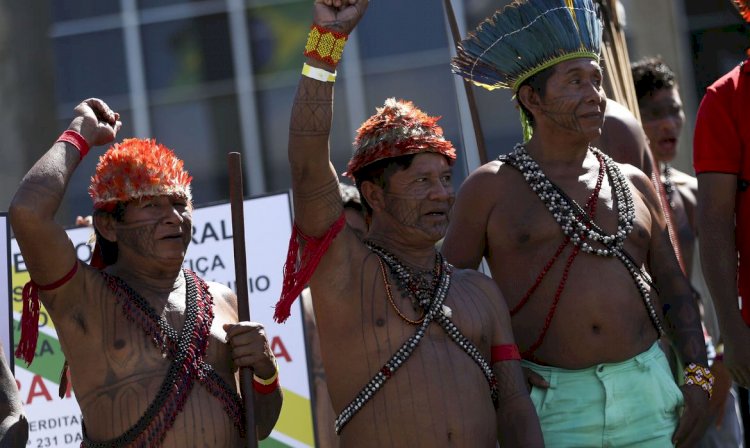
{"x": 45, "y": 246}
{"x": 317, "y": 202}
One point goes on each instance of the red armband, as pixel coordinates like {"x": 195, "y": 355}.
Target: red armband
{"x": 75, "y": 139}
{"x": 30, "y": 315}
{"x": 506, "y": 352}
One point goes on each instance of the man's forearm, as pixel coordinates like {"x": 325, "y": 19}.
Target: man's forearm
{"x": 310, "y": 124}
{"x": 719, "y": 264}
{"x": 42, "y": 189}
{"x": 518, "y": 423}
{"x": 267, "y": 408}
{"x": 683, "y": 324}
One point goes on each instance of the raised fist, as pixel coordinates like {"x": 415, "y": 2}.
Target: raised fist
{"x": 96, "y": 122}
{"x": 339, "y": 15}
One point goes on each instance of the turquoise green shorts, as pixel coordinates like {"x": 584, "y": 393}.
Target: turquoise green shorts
{"x": 634, "y": 403}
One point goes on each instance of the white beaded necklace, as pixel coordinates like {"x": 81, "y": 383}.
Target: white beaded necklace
{"x": 575, "y": 222}
{"x": 572, "y": 218}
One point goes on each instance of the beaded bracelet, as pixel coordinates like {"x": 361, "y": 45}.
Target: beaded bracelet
{"x": 699, "y": 376}
{"x": 75, "y": 139}
{"x": 318, "y": 73}
{"x": 325, "y": 45}
{"x": 266, "y": 386}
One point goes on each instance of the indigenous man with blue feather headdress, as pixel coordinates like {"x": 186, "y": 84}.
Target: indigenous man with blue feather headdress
{"x": 577, "y": 243}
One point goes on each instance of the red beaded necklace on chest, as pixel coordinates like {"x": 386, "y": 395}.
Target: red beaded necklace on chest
{"x": 590, "y": 206}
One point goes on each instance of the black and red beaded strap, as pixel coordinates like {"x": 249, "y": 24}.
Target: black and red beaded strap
{"x": 186, "y": 351}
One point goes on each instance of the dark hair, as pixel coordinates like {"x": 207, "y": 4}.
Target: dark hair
{"x": 538, "y": 84}
{"x": 650, "y": 75}
{"x": 109, "y": 248}
{"x": 379, "y": 173}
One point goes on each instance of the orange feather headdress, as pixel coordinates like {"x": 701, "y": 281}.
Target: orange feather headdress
{"x": 138, "y": 168}
{"x": 397, "y": 129}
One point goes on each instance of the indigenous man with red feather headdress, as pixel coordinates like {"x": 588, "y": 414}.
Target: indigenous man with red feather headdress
{"x": 416, "y": 353}
{"x": 152, "y": 348}
{"x": 721, "y": 158}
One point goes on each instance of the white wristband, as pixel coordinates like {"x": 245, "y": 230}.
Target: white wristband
{"x": 318, "y": 73}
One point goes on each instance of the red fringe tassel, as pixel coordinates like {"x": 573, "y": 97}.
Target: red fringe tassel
{"x": 30, "y": 315}
{"x": 296, "y": 276}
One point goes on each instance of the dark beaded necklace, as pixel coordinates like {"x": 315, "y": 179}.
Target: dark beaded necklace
{"x": 434, "y": 310}
{"x": 186, "y": 349}
{"x": 415, "y": 284}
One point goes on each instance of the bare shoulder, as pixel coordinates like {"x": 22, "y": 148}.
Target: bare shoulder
{"x": 80, "y": 294}
{"x": 622, "y": 136}
{"x": 484, "y": 284}
{"x": 483, "y": 174}
{"x": 687, "y": 186}
{"x": 488, "y": 178}
{"x": 637, "y": 177}
{"x": 341, "y": 267}
{"x": 224, "y": 298}
{"x": 683, "y": 179}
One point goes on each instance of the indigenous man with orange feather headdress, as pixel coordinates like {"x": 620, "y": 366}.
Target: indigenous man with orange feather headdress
{"x": 416, "y": 353}
{"x": 153, "y": 349}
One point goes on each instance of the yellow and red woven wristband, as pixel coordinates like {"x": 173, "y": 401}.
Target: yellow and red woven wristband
{"x": 325, "y": 45}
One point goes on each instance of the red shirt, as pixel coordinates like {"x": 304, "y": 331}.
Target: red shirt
{"x": 721, "y": 145}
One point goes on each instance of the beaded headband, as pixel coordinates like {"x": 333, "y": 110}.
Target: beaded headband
{"x": 137, "y": 168}
{"x": 525, "y": 38}
{"x": 397, "y": 129}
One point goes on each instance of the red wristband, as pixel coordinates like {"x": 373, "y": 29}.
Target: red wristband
{"x": 265, "y": 389}
{"x": 75, "y": 139}
{"x": 506, "y": 352}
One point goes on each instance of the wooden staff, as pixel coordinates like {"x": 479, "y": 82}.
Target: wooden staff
{"x": 481, "y": 148}
{"x": 236, "y": 201}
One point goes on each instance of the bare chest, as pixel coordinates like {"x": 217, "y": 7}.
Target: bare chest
{"x": 136, "y": 359}
{"x": 385, "y": 326}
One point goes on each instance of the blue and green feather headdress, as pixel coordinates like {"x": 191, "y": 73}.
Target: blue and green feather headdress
{"x": 525, "y": 38}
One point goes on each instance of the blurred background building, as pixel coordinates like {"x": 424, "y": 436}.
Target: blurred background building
{"x": 213, "y": 76}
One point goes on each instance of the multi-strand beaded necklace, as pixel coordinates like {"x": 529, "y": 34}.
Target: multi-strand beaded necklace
{"x": 429, "y": 297}
{"x": 578, "y": 226}
{"x": 186, "y": 350}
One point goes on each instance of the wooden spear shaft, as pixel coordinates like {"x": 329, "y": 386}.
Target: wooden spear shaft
{"x": 481, "y": 148}
{"x": 236, "y": 201}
